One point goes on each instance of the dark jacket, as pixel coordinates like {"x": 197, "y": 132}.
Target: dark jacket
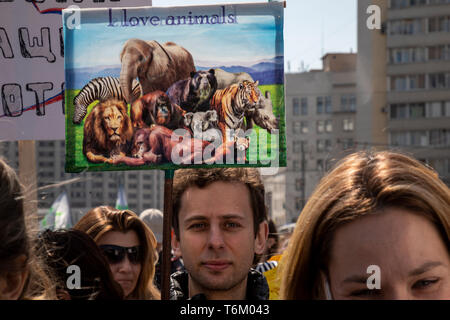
{"x": 257, "y": 287}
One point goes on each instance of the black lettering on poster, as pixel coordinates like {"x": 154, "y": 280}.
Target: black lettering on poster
{"x": 5, "y": 45}
{"x": 12, "y": 100}
{"x": 39, "y": 89}
{"x": 37, "y": 48}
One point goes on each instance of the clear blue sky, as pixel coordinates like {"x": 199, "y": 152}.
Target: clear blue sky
{"x": 312, "y": 27}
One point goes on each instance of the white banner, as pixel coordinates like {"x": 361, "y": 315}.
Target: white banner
{"x": 32, "y": 66}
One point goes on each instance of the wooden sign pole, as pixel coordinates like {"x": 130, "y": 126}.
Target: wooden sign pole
{"x": 167, "y": 223}
{"x": 27, "y": 176}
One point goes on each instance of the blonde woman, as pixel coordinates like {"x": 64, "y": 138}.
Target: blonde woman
{"x": 376, "y": 227}
{"x": 129, "y": 246}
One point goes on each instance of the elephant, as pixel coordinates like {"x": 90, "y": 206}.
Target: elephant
{"x": 157, "y": 66}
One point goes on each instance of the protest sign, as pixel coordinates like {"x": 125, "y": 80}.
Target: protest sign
{"x": 164, "y": 88}
{"x": 32, "y": 66}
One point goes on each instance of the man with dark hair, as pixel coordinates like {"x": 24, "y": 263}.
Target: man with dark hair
{"x": 220, "y": 223}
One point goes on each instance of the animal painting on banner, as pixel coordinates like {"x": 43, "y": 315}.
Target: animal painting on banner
{"x": 164, "y": 88}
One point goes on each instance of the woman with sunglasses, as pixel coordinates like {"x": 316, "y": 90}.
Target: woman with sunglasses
{"x": 129, "y": 246}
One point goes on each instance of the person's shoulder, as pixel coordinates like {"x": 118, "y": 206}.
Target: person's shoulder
{"x": 179, "y": 285}
{"x": 257, "y": 286}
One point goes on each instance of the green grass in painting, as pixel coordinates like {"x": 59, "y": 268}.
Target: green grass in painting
{"x": 77, "y": 162}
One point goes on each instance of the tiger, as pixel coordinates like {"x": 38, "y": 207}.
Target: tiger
{"x": 231, "y": 104}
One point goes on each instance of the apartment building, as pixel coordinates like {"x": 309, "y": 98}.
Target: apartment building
{"x": 144, "y": 189}
{"x": 321, "y": 108}
{"x": 410, "y": 57}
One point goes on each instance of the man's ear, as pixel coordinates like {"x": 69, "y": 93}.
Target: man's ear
{"x": 261, "y": 237}
{"x": 176, "y": 245}
{"x": 12, "y": 282}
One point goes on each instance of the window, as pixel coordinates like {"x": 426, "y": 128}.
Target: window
{"x": 398, "y": 83}
{"x": 416, "y": 82}
{"x": 439, "y": 80}
{"x": 297, "y": 165}
{"x": 298, "y": 184}
{"x": 296, "y": 106}
{"x": 320, "y": 125}
{"x": 440, "y": 137}
{"x": 406, "y": 26}
{"x": 297, "y": 127}
{"x": 328, "y": 126}
{"x": 417, "y": 110}
{"x": 320, "y": 145}
{"x": 46, "y": 154}
{"x": 399, "y": 111}
{"x": 419, "y": 138}
{"x": 344, "y": 99}
{"x": 407, "y": 55}
{"x": 301, "y": 127}
{"x": 441, "y": 52}
{"x": 304, "y": 107}
{"x": 348, "y": 102}
{"x": 398, "y": 138}
{"x": 435, "y": 110}
{"x": 348, "y": 125}
{"x": 319, "y": 164}
{"x": 319, "y": 105}
{"x": 352, "y": 102}
{"x": 46, "y": 144}
{"x": 439, "y": 24}
{"x": 347, "y": 143}
{"x": 297, "y": 146}
{"x": 328, "y": 145}
{"x": 328, "y": 105}
{"x": 298, "y": 203}
{"x": 304, "y": 127}
{"x": 410, "y": 82}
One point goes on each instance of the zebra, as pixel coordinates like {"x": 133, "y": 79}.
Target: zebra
{"x": 102, "y": 89}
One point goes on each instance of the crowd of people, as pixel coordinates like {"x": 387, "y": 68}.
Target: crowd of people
{"x": 381, "y": 211}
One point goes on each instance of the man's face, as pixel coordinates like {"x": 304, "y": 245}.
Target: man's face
{"x": 217, "y": 239}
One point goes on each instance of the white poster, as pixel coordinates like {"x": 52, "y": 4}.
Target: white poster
{"x": 32, "y": 66}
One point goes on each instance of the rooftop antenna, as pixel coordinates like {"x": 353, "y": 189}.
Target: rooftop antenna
{"x": 322, "y": 39}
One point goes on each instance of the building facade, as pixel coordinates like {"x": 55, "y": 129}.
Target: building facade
{"x": 144, "y": 189}
{"x": 410, "y": 58}
{"x": 320, "y": 125}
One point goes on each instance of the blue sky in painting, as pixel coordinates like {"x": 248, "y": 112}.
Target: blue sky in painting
{"x": 247, "y": 42}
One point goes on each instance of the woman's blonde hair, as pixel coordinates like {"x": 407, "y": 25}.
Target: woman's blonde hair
{"x": 361, "y": 184}
{"x": 101, "y": 220}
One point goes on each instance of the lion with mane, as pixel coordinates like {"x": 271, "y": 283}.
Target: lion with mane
{"x": 107, "y": 132}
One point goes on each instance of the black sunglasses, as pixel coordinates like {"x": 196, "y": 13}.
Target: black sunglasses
{"x": 116, "y": 254}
